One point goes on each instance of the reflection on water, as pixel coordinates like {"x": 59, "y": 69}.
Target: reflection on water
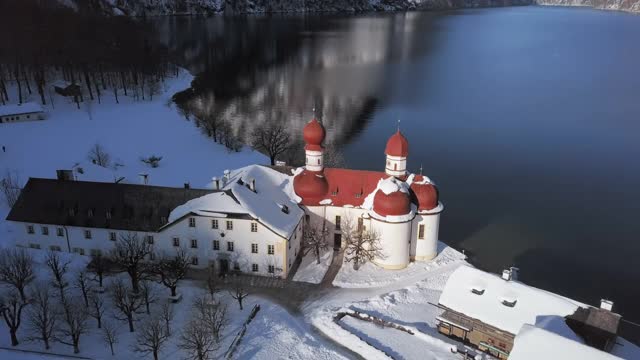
{"x": 527, "y": 118}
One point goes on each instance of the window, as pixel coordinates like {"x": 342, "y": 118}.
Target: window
{"x": 45, "y": 230}
{"x": 95, "y": 252}
{"x": 34, "y": 246}
{"x": 254, "y": 248}
{"x": 150, "y": 239}
{"x": 229, "y": 225}
{"x": 55, "y": 248}
{"x": 112, "y": 236}
{"x": 152, "y": 256}
{"x": 87, "y": 234}
{"x": 78, "y": 251}
{"x": 509, "y": 303}
{"x": 254, "y": 227}
{"x": 194, "y": 243}
{"x": 236, "y": 266}
{"x": 163, "y": 219}
{"x": 421, "y": 231}
{"x": 192, "y": 222}
{"x": 338, "y": 222}
{"x": 216, "y": 244}
{"x": 477, "y": 291}
{"x": 60, "y": 231}
{"x": 270, "y": 249}
{"x": 30, "y": 229}
{"x": 194, "y": 261}
{"x": 176, "y": 241}
{"x": 229, "y": 245}
{"x": 272, "y": 269}
{"x": 254, "y": 267}
{"x": 214, "y": 224}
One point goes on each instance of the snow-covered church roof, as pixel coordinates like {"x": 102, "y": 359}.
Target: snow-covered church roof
{"x": 271, "y": 203}
{"x": 507, "y": 305}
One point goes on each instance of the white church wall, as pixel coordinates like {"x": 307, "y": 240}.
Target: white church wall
{"x": 425, "y": 248}
{"x": 394, "y": 241}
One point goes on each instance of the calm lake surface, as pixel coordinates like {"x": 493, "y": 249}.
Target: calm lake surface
{"x": 527, "y": 118}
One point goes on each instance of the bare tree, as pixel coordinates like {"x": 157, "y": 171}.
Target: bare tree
{"x": 212, "y": 283}
{"x": 100, "y": 266}
{"x": 362, "y": 244}
{"x": 201, "y": 335}
{"x": 271, "y": 140}
{"x": 96, "y": 308}
{"x": 16, "y": 269}
{"x": 166, "y": 314}
{"x": 83, "y": 284}
{"x": 315, "y": 239}
{"x": 10, "y": 186}
{"x": 129, "y": 253}
{"x": 42, "y": 316}
{"x": 173, "y": 269}
{"x": 238, "y": 291}
{"x": 127, "y": 302}
{"x": 12, "y": 304}
{"x": 110, "y": 336}
{"x": 59, "y": 269}
{"x": 151, "y": 337}
{"x": 148, "y": 294}
{"x": 74, "y": 323}
{"x": 99, "y": 156}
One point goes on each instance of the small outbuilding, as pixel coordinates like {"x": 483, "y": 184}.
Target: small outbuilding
{"x": 67, "y": 89}
{"x": 21, "y": 112}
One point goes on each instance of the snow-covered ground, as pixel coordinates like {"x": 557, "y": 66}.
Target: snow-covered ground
{"x": 370, "y": 275}
{"x": 312, "y": 272}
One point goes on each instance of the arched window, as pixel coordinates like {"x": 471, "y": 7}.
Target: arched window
{"x": 318, "y": 161}
{"x": 395, "y": 166}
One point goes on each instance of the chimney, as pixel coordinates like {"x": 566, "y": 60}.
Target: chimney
{"x": 65, "y": 175}
{"x": 506, "y": 275}
{"x": 514, "y": 273}
{"x": 252, "y": 185}
{"x": 144, "y": 179}
{"x": 216, "y": 183}
{"x": 606, "y": 304}
{"x": 187, "y": 185}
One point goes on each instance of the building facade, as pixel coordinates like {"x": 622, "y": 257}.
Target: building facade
{"x": 21, "y": 112}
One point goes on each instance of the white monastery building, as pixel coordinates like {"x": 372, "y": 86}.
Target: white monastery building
{"x": 251, "y": 219}
{"x": 21, "y": 112}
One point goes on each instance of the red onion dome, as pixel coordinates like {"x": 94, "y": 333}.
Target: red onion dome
{"x": 310, "y": 185}
{"x": 426, "y": 195}
{"x": 313, "y": 133}
{"x": 396, "y": 203}
{"x": 397, "y": 145}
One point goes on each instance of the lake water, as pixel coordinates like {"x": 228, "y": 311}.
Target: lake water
{"x": 527, "y": 118}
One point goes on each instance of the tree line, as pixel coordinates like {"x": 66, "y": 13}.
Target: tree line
{"x": 43, "y": 41}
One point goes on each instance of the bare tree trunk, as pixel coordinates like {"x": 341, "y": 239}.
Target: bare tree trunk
{"x": 14, "y": 338}
{"x": 124, "y": 85}
{"x": 19, "y": 83}
{"x": 87, "y": 81}
{"x": 95, "y": 83}
{"x": 26, "y": 80}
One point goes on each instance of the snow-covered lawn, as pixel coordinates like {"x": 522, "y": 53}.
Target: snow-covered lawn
{"x": 312, "y": 272}
{"x": 127, "y": 131}
{"x": 371, "y": 275}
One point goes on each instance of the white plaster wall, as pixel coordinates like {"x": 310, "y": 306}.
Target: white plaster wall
{"x": 400, "y": 164}
{"x": 427, "y": 248}
{"x": 394, "y": 240}
{"x": 314, "y": 160}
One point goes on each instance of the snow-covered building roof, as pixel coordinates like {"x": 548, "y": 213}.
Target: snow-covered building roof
{"x": 271, "y": 203}
{"x": 534, "y": 343}
{"x": 504, "y": 304}
{"x": 17, "y": 109}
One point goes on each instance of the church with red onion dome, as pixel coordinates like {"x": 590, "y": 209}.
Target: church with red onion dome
{"x": 401, "y": 207}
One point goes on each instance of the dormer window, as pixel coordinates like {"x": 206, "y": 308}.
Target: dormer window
{"x": 285, "y": 209}
{"x": 477, "y": 291}
{"x": 509, "y": 303}
{"x": 335, "y": 192}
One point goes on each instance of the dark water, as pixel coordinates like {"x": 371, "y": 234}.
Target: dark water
{"x": 527, "y": 118}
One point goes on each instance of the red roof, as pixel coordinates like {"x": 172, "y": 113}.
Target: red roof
{"x": 397, "y": 145}
{"x": 396, "y": 203}
{"x": 426, "y": 195}
{"x": 345, "y": 187}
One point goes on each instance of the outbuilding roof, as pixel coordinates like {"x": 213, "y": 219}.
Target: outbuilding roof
{"x": 18, "y": 109}
{"x": 534, "y": 343}
{"x": 506, "y": 305}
